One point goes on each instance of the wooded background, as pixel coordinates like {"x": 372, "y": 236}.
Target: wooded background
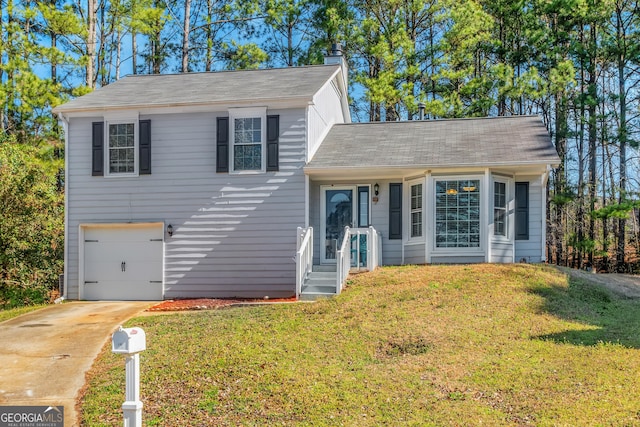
{"x": 576, "y": 63}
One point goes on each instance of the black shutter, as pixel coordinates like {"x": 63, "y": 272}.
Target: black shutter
{"x": 97, "y": 148}
{"x": 273, "y": 136}
{"x": 395, "y": 211}
{"x": 222, "y": 144}
{"x": 145, "y": 147}
{"x": 522, "y": 211}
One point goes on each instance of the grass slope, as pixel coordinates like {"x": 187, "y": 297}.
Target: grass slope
{"x": 15, "y": 312}
{"x": 414, "y": 345}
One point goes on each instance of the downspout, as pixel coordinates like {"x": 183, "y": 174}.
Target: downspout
{"x": 65, "y": 126}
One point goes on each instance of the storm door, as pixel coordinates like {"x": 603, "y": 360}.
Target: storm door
{"x": 337, "y": 211}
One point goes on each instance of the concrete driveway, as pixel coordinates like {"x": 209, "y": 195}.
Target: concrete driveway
{"x": 45, "y": 354}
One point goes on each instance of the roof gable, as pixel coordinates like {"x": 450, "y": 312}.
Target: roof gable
{"x": 496, "y": 141}
{"x": 192, "y": 89}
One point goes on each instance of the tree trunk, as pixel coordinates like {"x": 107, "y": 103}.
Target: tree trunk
{"x": 578, "y": 251}
{"x": 185, "y": 36}
{"x": 134, "y": 52}
{"x": 593, "y": 137}
{"x": 91, "y": 43}
{"x": 209, "y": 52}
{"x": 622, "y": 137}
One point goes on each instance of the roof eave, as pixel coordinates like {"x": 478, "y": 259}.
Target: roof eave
{"x": 402, "y": 170}
{"x": 299, "y": 100}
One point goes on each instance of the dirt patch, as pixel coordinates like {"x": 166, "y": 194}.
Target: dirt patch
{"x": 626, "y": 285}
{"x": 211, "y": 303}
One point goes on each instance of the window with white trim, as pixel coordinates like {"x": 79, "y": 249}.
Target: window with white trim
{"x": 248, "y": 139}
{"x": 416, "y": 210}
{"x": 247, "y": 144}
{"x": 499, "y": 208}
{"x": 457, "y": 221}
{"x": 121, "y": 149}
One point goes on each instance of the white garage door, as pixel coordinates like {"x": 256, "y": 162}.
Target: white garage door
{"x": 123, "y": 262}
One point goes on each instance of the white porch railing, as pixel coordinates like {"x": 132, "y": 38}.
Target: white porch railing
{"x": 361, "y": 249}
{"x": 304, "y": 257}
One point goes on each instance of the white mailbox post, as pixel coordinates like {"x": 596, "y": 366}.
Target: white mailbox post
{"x": 130, "y": 342}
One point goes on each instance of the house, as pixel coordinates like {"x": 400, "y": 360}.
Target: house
{"x": 256, "y": 184}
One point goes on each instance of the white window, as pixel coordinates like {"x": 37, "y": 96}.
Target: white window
{"x": 248, "y": 139}
{"x": 499, "y": 208}
{"x": 416, "y": 210}
{"x": 457, "y": 222}
{"x": 122, "y": 148}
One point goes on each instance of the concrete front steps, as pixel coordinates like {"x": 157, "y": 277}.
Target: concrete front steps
{"x": 321, "y": 283}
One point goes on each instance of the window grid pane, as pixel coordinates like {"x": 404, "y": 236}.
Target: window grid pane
{"x": 247, "y": 150}
{"x": 499, "y": 209}
{"x": 458, "y": 214}
{"x": 121, "y": 148}
{"x": 416, "y": 210}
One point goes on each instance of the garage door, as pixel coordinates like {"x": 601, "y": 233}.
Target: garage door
{"x": 123, "y": 262}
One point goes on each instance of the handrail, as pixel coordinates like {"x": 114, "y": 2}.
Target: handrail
{"x": 343, "y": 261}
{"x": 373, "y": 253}
{"x": 304, "y": 257}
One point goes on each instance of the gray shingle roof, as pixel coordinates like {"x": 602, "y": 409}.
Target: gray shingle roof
{"x": 205, "y": 88}
{"x": 494, "y": 141}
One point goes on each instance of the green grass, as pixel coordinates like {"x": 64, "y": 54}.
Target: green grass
{"x": 434, "y": 345}
{"x": 15, "y": 312}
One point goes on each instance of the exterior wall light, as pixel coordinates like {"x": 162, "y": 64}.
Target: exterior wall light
{"x": 376, "y": 189}
{"x": 170, "y": 230}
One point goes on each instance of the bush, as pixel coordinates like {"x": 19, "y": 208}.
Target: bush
{"x": 14, "y": 295}
{"x": 31, "y": 223}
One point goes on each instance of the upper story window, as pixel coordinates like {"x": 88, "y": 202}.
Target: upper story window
{"x": 121, "y": 148}
{"x": 416, "y": 210}
{"x": 457, "y": 214}
{"x": 247, "y": 144}
{"x": 248, "y": 139}
{"x": 499, "y": 208}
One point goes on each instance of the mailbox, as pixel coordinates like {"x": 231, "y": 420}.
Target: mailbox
{"x": 128, "y": 341}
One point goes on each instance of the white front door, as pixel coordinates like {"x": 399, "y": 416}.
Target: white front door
{"x": 123, "y": 262}
{"x": 336, "y": 212}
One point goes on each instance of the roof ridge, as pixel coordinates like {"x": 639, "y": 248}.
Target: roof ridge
{"x": 404, "y": 122}
{"x": 193, "y": 73}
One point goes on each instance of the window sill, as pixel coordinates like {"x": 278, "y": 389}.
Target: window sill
{"x": 458, "y": 251}
{"x": 122, "y": 175}
{"x": 252, "y": 172}
{"x": 415, "y": 241}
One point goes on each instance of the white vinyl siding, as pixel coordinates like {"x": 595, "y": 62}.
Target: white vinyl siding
{"x": 323, "y": 113}
{"x": 234, "y": 235}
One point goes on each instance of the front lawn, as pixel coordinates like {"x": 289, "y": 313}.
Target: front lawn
{"x": 10, "y": 313}
{"x": 416, "y": 345}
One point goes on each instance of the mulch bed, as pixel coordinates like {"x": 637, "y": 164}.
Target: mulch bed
{"x": 211, "y": 304}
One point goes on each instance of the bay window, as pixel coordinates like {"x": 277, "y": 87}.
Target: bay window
{"x": 457, "y": 221}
